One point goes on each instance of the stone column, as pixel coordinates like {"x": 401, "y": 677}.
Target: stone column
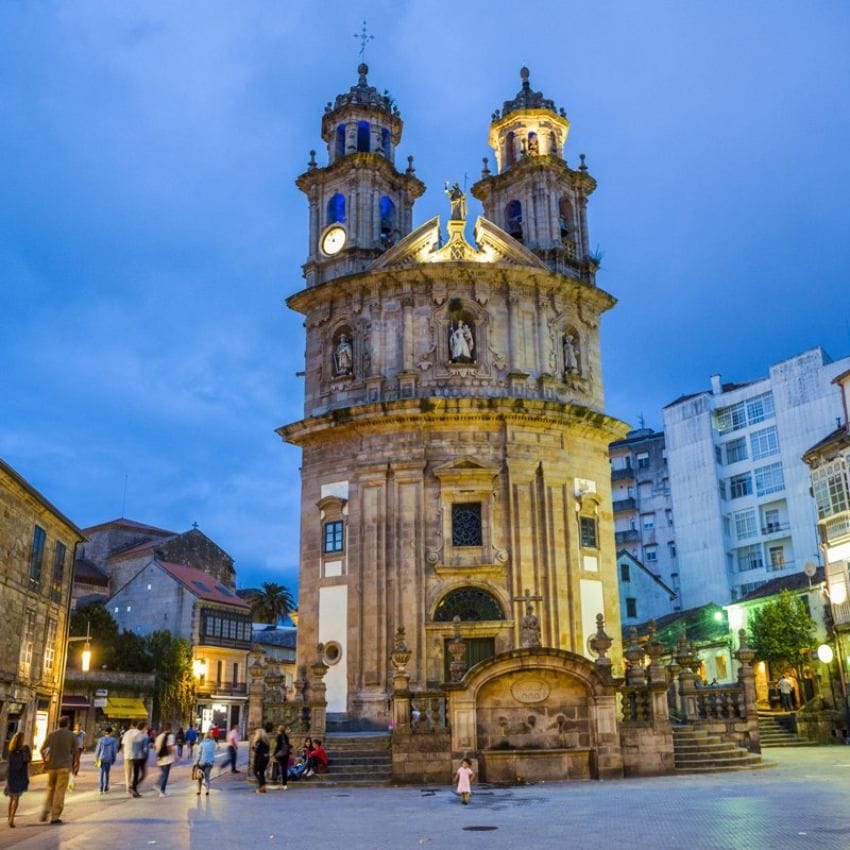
{"x": 656, "y": 677}
{"x": 256, "y": 690}
{"x": 401, "y": 682}
{"x": 746, "y": 677}
{"x": 687, "y": 686}
{"x": 317, "y": 690}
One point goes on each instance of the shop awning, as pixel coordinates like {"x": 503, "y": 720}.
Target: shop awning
{"x": 125, "y": 708}
{"x": 69, "y": 701}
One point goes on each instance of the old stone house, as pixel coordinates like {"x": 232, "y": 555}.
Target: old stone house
{"x": 37, "y": 544}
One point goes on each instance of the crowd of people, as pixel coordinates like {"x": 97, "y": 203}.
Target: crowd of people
{"x": 63, "y": 748}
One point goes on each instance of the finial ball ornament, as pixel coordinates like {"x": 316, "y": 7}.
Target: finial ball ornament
{"x": 362, "y": 69}
{"x": 524, "y": 72}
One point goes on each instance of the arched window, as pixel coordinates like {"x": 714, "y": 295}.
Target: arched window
{"x": 340, "y": 140}
{"x": 336, "y": 209}
{"x": 387, "y": 220}
{"x": 513, "y": 219}
{"x": 553, "y": 145}
{"x": 363, "y": 132}
{"x": 510, "y": 149}
{"x": 565, "y": 216}
{"x": 471, "y": 604}
{"x": 386, "y": 142}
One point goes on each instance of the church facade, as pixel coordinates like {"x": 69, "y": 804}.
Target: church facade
{"x": 455, "y": 469}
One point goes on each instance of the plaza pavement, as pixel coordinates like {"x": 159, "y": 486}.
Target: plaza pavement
{"x": 803, "y": 802}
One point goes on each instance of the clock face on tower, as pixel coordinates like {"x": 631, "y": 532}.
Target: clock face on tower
{"x": 333, "y": 240}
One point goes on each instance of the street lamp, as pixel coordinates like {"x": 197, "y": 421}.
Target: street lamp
{"x": 85, "y": 662}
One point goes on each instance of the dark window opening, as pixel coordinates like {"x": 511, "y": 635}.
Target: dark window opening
{"x": 565, "y": 216}
{"x": 513, "y": 220}
{"x": 625, "y": 574}
{"x": 388, "y": 226}
{"x": 363, "y": 133}
{"x": 340, "y": 140}
{"x": 466, "y": 524}
{"x": 333, "y": 536}
{"x": 471, "y": 604}
{"x": 631, "y": 607}
{"x": 386, "y": 143}
{"x": 589, "y": 538}
{"x": 510, "y": 150}
{"x": 336, "y": 209}
{"x": 59, "y": 554}
{"x": 37, "y": 555}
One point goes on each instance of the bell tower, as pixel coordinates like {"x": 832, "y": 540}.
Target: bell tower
{"x": 360, "y": 204}
{"x": 534, "y": 195}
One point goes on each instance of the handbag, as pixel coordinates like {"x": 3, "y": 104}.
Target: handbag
{"x": 197, "y": 773}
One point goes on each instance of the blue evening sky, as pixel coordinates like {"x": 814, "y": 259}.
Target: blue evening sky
{"x": 150, "y": 227}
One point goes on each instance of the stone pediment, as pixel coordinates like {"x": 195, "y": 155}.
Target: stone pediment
{"x": 424, "y": 245}
{"x": 466, "y": 469}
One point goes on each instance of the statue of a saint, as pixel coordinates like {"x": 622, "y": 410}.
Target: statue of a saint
{"x": 343, "y": 357}
{"x": 529, "y": 628}
{"x": 458, "y": 201}
{"x": 461, "y": 343}
{"x": 570, "y": 355}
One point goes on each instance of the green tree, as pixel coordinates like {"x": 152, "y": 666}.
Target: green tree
{"x": 780, "y": 630}
{"x": 103, "y": 630}
{"x": 174, "y": 685}
{"x": 270, "y": 603}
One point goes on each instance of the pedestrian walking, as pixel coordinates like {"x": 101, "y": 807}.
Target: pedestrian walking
{"x": 17, "y": 773}
{"x": 232, "y": 748}
{"x": 191, "y": 739}
{"x": 785, "y": 690}
{"x": 140, "y": 750}
{"x": 164, "y": 747}
{"x": 105, "y": 754}
{"x": 127, "y": 741}
{"x": 464, "y": 777}
{"x": 58, "y": 752}
{"x": 204, "y": 761}
{"x": 282, "y": 750}
{"x": 180, "y": 741}
{"x": 261, "y": 748}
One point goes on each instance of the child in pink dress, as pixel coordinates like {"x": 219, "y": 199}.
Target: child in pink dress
{"x": 464, "y": 776}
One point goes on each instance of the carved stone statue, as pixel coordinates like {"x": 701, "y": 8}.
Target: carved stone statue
{"x": 529, "y": 628}
{"x": 461, "y": 343}
{"x": 458, "y": 201}
{"x": 533, "y": 146}
{"x": 571, "y": 362}
{"x": 343, "y": 357}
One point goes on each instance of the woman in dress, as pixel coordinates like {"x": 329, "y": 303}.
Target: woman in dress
{"x": 204, "y": 760}
{"x": 464, "y": 777}
{"x": 18, "y": 773}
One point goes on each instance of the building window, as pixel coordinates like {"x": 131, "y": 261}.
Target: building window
{"x": 648, "y": 521}
{"x": 589, "y": 539}
{"x": 225, "y": 627}
{"x": 740, "y": 485}
{"x": 764, "y": 443}
{"x": 37, "y": 555}
{"x": 777, "y": 557}
{"x": 669, "y": 514}
{"x": 671, "y": 546}
{"x": 471, "y": 604}
{"x": 631, "y": 607}
{"x": 625, "y": 574}
{"x": 769, "y": 479}
{"x": 720, "y": 666}
{"x": 643, "y": 460}
{"x": 364, "y": 136}
{"x": 650, "y": 554}
{"x": 831, "y": 488}
{"x": 736, "y": 450}
{"x": 334, "y": 539}
{"x": 466, "y": 524}
{"x": 718, "y": 455}
{"x": 771, "y": 521}
{"x": 219, "y": 668}
{"x": 336, "y": 209}
{"x": 235, "y": 679}
{"x": 745, "y": 524}
{"x": 28, "y": 643}
{"x": 731, "y": 418}
{"x": 50, "y": 648}
{"x": 59, "y": 553}
{"x": 750, "y": 558}
{"x": 760, "y": 408}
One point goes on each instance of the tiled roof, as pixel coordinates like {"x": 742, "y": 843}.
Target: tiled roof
{"x": 203, "y": 585}
{"x": 140, "y": 548}
{"x": 275, "y": 636}
{"x": 698, "y": 624}
{"x": 126, "y": 523}
{"x": 837, "y": 439}
{"x": 792, "y": 582}
{"x": 90, "y": 573}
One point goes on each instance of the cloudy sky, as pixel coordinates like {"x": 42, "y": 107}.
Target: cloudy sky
{"x": 150, "y": 227}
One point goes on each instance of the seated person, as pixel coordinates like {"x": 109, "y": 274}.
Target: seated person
{"x": 318, "y": 760}
{"x": 297, "y": 770}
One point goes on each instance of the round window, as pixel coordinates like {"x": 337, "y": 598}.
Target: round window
{"x": 333, "y": 653}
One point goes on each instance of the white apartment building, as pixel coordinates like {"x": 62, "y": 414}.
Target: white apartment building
{"x": 740, "y": 490}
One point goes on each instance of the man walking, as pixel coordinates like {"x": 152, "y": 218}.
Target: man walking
{"x": 232, "y": 748}
{"x": 127, "y": 741}
{"x": 59, "y": 752}
{"x": 785, "y": 689}
{"x": 140, "y": 749}
{"x": 191, "y": 738}
{"x": 164, "y": 747}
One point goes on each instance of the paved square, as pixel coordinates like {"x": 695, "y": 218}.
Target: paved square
{"x": 801, "y": 803}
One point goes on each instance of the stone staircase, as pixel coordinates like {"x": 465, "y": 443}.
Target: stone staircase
{"x": 776, "y": 730}
{"x": 695, "y": 751}
{"x": 355, "y": 759}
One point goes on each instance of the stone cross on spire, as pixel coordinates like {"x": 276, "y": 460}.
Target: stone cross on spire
{"x": 365, "y": 37}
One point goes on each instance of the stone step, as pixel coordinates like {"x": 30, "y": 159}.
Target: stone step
{"x": 725, "y": 769}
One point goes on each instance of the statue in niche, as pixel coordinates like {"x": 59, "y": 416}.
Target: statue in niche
{"x": 461, "y": 343}
{"x": 571, "y": 355}
{"x": 457, "y": 199}
{"x": 533, "y": 145}
{"x": 529, "y": 628}
{"x": 343, "y": 357}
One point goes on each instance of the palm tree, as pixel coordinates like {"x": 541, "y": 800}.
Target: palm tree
{"x": 270, "y": 603}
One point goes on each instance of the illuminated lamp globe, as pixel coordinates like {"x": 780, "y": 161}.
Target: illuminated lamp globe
{"x": 825, "y": 653}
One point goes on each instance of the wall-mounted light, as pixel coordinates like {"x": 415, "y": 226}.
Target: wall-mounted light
{"x": 825, "y": 653}
{"x": 199, "y": 668}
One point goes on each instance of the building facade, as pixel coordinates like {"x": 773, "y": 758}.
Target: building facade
{"x": 740, "y": 490}
{"x": 37, "y": 545}
{"x": 455, "y": 470}
{"x": 643, "y": 524}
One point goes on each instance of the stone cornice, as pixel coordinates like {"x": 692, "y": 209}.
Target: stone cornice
{"x": 355, "y": 162}
{"x": 528, "y": 165}
{"x": 434, "y": 411}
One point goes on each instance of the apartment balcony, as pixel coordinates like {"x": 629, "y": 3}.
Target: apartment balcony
{"x": 624, "y": 505}
{"x": 836, "y": 527}
{"x": 626, "y": 474}
{"x": 225, "y": 689}
{"x": 630, "y": 536}
{"x": 775, "y": 528}
{"x": 784, "y": 567}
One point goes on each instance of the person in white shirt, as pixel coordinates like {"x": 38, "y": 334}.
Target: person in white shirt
{"x": 232, "y": 749}
{"x": 127, "y": 751}
{"x": 164, "y": 747}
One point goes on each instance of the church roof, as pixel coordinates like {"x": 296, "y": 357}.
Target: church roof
{"x": 140, "y": 548}
{"x": 362, "y": 94}
{"x": 526, "y": 98}
{"x": 88, "y": 572}
{"x": 121, "y": 522}
{"x": 203, "y": 585}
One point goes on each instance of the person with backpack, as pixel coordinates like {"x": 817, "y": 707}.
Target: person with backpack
{"x": 164, "y": 747}
{"x": 105, "y": 754}
{"x": 140, "y": 749}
